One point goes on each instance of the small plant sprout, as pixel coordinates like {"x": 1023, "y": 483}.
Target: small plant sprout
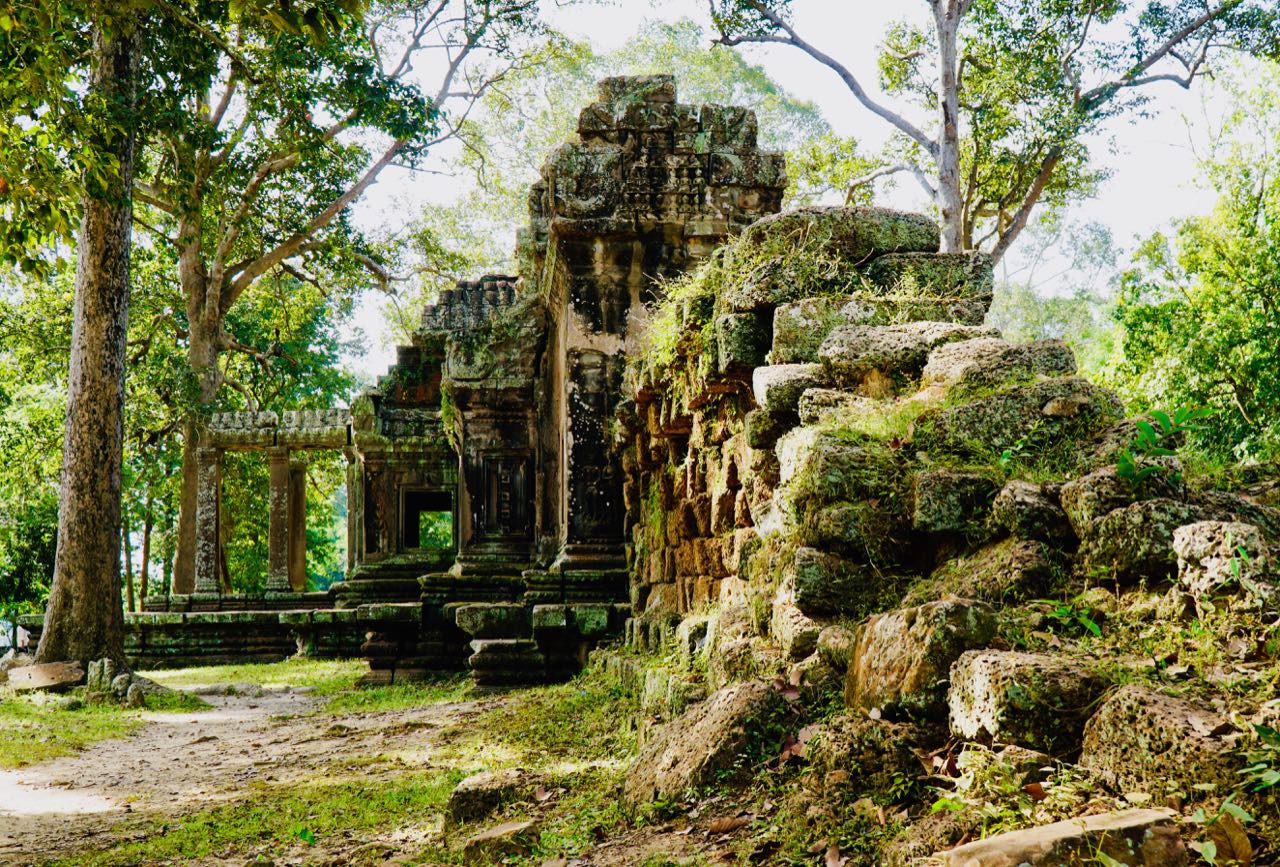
{"x": 1156, "y": 441}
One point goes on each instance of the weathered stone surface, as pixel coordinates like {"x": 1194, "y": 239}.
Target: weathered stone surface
{"x": 764, "y": 427}
{"x": 1217, "y": 556}
{"x": 851, "y": 352}
{"x": 902, "y": 659}
{"x": 795, "y": 633}
{"x": 944, "y": 501}
{"x": 480, "y": 795}
{"x": 818, "y": 404}
{"x": 1135, "y": 838}
{"x": 1087, "y": 499}
{"x": 987, "y": 361}
{"x": 47, "y": 676}
{"x": 1039, "y": 701}
{"x": 508, "y": 840}
{"x": 1026, "y": 511}
{"x": 777, "y": 387}
{"x": 819, "y": 467}
{"x": 694, "y": 749}
{"x": 835, "y": 645}
{"x": 497, "y": 620}
{"x": 1008, "y": 570}
{"x": 824, "y": 584}
{"x": 800, "y": 327}
{"x": 1044, "y": 414}
{"x": 1144, "y": 741}
{"x": 742, "y": 340}
{"x": 1136, "y": 541}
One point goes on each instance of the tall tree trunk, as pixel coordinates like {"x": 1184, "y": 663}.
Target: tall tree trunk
{"x": 83, "y": 620}
{"x": 131, "y": 602}
{"x": 202, "y": 354}
{"x": 950, "y": 202}
{"x": 144, "y": 572}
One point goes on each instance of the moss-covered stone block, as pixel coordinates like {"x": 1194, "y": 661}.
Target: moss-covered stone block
{"x": 985, "y": 362}
{"x": 902, "y": 659}
{"x": 1041, "y": 418}
{"x": 777, "y": 387}
{"x": 1009, "y": 570}
{"x": 1038, "y": 701}
{"x": 1026, "y": 510}
{"x": 931, "y": 274}
{"x": 1141, "y": 740}
{"x": 1136, "y": 542}
{"x": 742, "y": 341}
{"x": 799, "y": 328}
{"x": 494, "y": 620}
{"x": 824, "y": 584}
{"x": 852, "y": 352}
{"x": 944, "y": 501}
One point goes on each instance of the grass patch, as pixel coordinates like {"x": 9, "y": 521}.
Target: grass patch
{"x": 325, "y": 676}
{"x": 288, "y": 819}
{"x": 400, "y": 696}
{"x": 31, "y": 733}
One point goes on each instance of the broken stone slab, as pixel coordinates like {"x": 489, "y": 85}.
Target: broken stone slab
{"x": 778, "y": 387}
{"x": 1136, "y": 542}
{"x": 1217, "y": 556}
{"x": 901, "y": 659}
{"x": 852, "y": 352}
{"x": 799, "y": 327}
{"x": 866, "y": 753}
{"x": 1026, "y": 510}
{"x": 480, "y": 795}
{"x": 945, "y": 501}
{"x": 818, "y": 467}
{"x": 988, "y": 361}
{"x": 1141, "y": 740}
{"x": 706, "y": 742}
{"x": 1135, "y": 838}
{"x": 508, "y": 840}
{"x": 46, "y": 677}
{"x": 1008, "y": 570}
{"x": 1033, "y": 700}
{"x": 1043, "y": 415}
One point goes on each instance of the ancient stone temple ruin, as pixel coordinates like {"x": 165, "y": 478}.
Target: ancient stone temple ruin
{"x": 495, "y": 424}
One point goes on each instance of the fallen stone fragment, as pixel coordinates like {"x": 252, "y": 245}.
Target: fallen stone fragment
{"x": 901, "y": 659}
{"x": 1224, "y": 556}
{"x": 480, "y": 795}
{"x": 509, "y": 840}
{"x": 1008, "y": 570}
{"x": 705, "y": 742}
{"x": 46, "y": 677}
{"x": 1033, "y": 700}
{"x": 1135, "y": 838}
{"x": 1091, "y": 497}
{"x": 1141, "y": 740}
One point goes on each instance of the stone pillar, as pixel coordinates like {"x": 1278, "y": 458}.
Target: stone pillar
{"x": 208, "y": 495}
{"x": 278, "y": 573}
{"x": 297, "y": 525}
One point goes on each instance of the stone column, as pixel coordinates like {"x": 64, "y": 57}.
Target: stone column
{"x": 278, "y": 578}
{"x": 208, "y": 495}
{"x": 298, "y": 525}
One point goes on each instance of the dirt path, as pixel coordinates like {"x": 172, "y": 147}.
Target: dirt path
{"x": 178, "y": 763}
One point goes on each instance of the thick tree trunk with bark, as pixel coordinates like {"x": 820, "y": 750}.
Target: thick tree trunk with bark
{"x": 202, "y": 353}
{"x": 84, "y": 620}
{"x": 950, "y": 202}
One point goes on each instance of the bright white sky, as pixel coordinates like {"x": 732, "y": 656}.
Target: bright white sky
{"x": 1153, "y": 164}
